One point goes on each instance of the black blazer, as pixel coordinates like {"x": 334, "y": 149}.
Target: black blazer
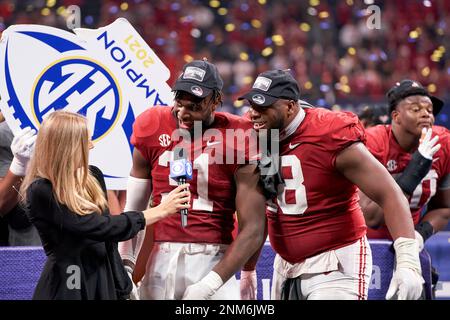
{"x": 83, "y": 262}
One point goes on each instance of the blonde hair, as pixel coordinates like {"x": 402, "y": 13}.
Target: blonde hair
{"x": 61, "y": 156}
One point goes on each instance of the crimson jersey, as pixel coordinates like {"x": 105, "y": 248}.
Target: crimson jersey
{"x": 318, "y": 209}
{"x": 211, "y": 216}
{"x": 383, "y": 145}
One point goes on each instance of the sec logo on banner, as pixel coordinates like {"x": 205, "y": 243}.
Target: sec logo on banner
{"x": 47, "y": 69}
{"x": 82, "y": 86}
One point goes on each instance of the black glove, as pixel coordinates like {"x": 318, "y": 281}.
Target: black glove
{"x": 414, "y": 172}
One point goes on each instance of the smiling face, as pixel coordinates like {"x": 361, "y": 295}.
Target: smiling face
{"x": 271, "y": 117}
{"x": 189, "y": 108}
{"x": 414, "y": 113}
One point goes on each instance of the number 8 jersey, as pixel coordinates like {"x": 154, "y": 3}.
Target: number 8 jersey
{"x": 318, "y": 208}
{"x": 211, "y": 216}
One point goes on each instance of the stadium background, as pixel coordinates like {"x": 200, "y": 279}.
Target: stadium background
{"x": 339, "y": 62}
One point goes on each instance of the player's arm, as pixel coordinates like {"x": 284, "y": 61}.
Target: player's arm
{"x": 437, "y": 217}
{"x": 250, "y": 205}
{"x": 143, "y": 255}
{"x": 9, "y": 195}
{"x": 141, "y": 167}
{"x": 249, "y": 280}
{"x": 250, "y": 265}
{"x": 373, "y": 213}
{"x": 438, "y": 214}
{"x": 139, "y": 189}
{"x": 358, "y": 165}
{"x": 138, "y": 194}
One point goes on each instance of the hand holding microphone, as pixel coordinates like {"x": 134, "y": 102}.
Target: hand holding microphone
{"x": 178, "y": 199}
{"x": 181, "y": 171}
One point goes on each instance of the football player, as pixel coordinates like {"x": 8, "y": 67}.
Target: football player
{"x": 417, "y": 154}
{"x": 315, "y": 223}
{"x": 197, "y": 261}
{"x": 374, "y": 115}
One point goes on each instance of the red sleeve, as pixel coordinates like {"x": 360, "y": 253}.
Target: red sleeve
{"x": 146, "y": 124}
{"x": 444, "y": 141}
{"x": 344, "y": 130}
{"x": 444, "y": 181}
{"x": 144, "y": 128}
{"x": 376, "y": 140}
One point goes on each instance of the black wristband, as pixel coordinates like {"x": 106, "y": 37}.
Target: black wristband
{"x": 414, "y": 172}
{"x": 425, "y": 229}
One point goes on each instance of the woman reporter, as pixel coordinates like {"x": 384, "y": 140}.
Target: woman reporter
{"x": 66, "y": 201}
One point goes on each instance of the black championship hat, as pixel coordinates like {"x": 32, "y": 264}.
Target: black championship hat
{"x": 272, "y": 85}
{"x": 407, "y": 88}
{"x": 199, "y": 78}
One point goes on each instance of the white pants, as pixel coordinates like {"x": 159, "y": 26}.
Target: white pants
{"x": 342, "y": 274}
{"x": 173, "y": 267}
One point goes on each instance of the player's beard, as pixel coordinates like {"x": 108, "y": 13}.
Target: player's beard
{"x": 277, "y": 125}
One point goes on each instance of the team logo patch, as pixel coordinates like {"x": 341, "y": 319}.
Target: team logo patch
{"x": 194, "y": 73}
{"x": 197, "y": 91}
{"x": 391, "y": 165}
{"x": 262, "y": 83}
{"x": 258, "y": 99}
{"x": 164, "y": 140}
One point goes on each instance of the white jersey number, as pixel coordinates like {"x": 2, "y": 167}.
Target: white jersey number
{"x": 202, "y": 203}
{"x": 295, "y": 184}
{"x": 432, "y": 177}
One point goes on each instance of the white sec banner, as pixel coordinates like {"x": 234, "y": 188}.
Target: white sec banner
{"x": 109, "y": 74}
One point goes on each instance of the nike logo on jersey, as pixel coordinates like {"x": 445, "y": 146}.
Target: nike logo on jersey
{"x": 293, "y": 146}
{"x": 212, "y": 143}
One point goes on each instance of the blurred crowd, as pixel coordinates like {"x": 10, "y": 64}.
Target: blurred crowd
{"x": 341, "y": 52}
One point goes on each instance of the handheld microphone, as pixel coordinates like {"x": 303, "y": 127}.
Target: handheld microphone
{"x": 181, "y": 171}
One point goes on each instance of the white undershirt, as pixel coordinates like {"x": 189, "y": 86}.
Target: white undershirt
{"x": 295, "y": 123}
